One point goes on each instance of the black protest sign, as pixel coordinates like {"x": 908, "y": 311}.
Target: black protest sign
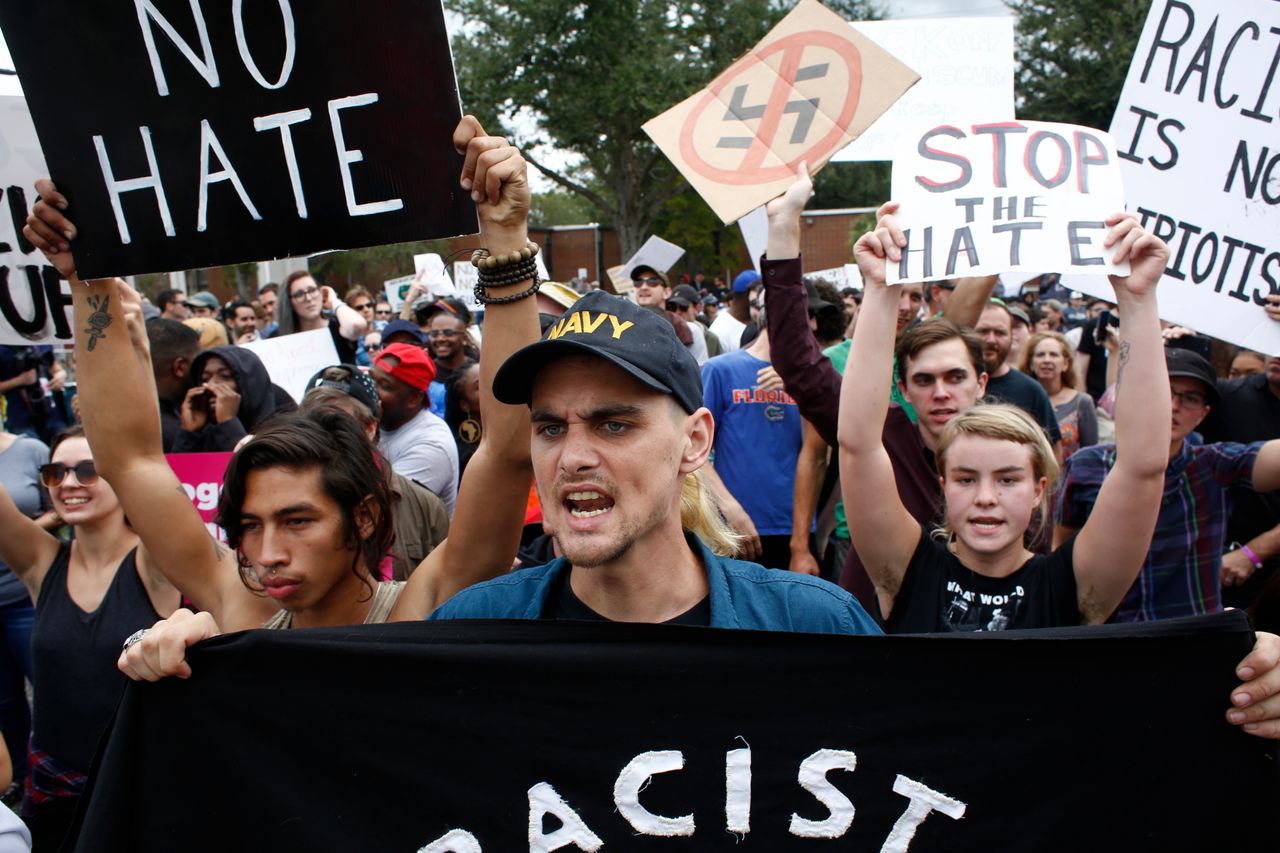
{"x": 193, "y": 133}
{"x": 501, "y": 736}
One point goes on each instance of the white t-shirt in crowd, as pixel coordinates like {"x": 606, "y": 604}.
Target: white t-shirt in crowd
{"x": 729, "y": 330}
{"x": 423, "y": 449}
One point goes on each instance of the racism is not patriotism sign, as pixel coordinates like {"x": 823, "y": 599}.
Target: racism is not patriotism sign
{"x": 500, "y": 736}
{"x": 1198, "y": 132}
{"x": 191, "y": 133}
{"x": 982, "y": 199}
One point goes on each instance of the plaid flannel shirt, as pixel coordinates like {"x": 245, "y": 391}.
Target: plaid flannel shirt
{"x": 1181, "y": 575}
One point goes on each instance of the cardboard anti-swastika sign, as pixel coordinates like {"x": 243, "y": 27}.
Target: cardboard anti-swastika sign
{"x": 194, "y": 133}
{"x": 811, "y": 86}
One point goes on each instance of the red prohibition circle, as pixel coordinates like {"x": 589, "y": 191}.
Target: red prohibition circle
{"x": 847, "y": 51}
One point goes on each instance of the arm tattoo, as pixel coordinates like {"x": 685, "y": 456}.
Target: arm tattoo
{"x": 218, "y": 551}
{"x": 1124, "y": 360}
{"x": 98, "y": 320}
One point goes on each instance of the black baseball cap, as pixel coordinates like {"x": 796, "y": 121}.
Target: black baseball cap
{"x": 404, "y": 327}
{"x": 1192, "y": 365}
{"x": 639, "y": 342}
{"x": 684, "y": 295}
{"x": 350, "y": 380}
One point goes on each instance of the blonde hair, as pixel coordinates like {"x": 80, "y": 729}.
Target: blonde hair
{"x": 1005, "y": 423}
{"x": 700, "y": 515}
{"x": 1070, "y": 378}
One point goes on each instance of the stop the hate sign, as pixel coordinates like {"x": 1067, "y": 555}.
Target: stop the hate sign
{"x": 803, "y": 93}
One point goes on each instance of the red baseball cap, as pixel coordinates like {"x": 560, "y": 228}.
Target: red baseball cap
{"x": 410, "y": 364}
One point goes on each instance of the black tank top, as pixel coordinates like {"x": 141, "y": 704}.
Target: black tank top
{"x": 74, "y": 676}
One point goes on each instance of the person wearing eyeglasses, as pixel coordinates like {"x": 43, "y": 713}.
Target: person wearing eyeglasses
{"x": 446, "y": 341}
{"x": 1181, "y": 574}
{"x": 305, "y": 306}
{"x": 90, "y": 594}
{"x": 381, "y": 314}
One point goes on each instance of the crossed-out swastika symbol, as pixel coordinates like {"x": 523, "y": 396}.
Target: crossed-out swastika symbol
{"x": 806, "y": 108}
{"x": 782, "y": 100}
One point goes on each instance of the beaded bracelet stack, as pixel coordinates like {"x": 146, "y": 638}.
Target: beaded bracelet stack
{"x": 504, "y": 270}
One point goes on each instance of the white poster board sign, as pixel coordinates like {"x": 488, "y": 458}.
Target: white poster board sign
{"x": 464, "y": 278}
{"x": 982, "y": 199}
{"x": 1199, "y": 143}
{"x": 293, "y": 359}
{"x": 431, "y": 267}
{"x": 396, "y": 290}
{"x": 35, "y": 302}
{"x": 755, "y": 233}
{"x": 657, "y": 253}
{"x": 965, "y": 67}
{"x": 840, "y": 277}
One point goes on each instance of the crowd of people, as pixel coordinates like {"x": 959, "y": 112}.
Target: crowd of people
{"x": 773, "y": 453}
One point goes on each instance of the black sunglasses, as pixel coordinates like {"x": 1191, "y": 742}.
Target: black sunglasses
{"x": 54, "y": 473}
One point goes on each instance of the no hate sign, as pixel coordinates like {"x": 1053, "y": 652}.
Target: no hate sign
{"x": 193, "y": 133}
{"x": 982, "y": 199}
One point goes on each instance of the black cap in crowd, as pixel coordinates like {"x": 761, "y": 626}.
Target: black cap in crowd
{"x": 684, "y": 295}
{"x": 350, "y": 380}
{"x": 1192, "y": 365}
{"x": 639, "y": 342}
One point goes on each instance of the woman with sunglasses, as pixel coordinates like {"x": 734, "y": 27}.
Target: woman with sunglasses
{"x": 90, "y": 594}
{"x": 360, "y": 301}
{"x": 305, "y": 306}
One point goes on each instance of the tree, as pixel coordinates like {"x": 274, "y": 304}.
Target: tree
{"x": 1073, "y": 57}
{"x": 583, "y": 77}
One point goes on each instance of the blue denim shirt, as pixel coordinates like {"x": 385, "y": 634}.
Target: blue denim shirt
{"x": 743, "y": 595}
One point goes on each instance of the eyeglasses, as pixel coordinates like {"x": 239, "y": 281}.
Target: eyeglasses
{"x": 362, "y": 306}
{"x": 54, "y": 473}
{"x": 382, "y": 312}
{"x": 1190, "y": 399}
{"x": 306, "y": 293}
{"x": 648, "y": 282}
{"x": 443, "y": 333}
{"x": 373, "y": 347}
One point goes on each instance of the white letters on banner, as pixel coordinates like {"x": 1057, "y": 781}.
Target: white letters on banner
{"x": 965, "y": 67}
{"x": 980, "y": 199}
{"x": 293, "y": 359}
{"x": 35, "y": 302}
{"x": 1196, "y": 132}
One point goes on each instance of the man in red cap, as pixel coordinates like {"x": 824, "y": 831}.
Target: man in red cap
{"x": 416, "y": 443}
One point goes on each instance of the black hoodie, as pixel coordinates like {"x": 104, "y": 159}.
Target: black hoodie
{"x": 260, "y": 400}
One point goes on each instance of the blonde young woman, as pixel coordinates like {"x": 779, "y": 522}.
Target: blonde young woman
{"x": 997, "y": 469}
{"x": 1050, "y": 359}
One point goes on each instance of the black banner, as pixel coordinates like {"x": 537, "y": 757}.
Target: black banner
{"x": 192, "y": 133}
{"x": 504, "y": 736}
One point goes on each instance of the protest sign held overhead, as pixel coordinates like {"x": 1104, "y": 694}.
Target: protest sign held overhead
{"x": 805, "y": 91}
{"x": 988, "y": 198}
{"x": 215, "y": 133}
{"x": 575, "y": 736}
{"x": 293, "y": 359}
{"x": 35, "y": 301}
{"x": 965, "y": 67}
{"x": 1196, "y": 129}
{"x": 656, "y": 253}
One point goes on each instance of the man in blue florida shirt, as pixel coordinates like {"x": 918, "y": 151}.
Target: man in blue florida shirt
{"x": 619, "y": 434}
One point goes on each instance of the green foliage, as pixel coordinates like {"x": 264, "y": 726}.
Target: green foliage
{"x": 560, "y": 207}
{"x": 851, "y": 185}
{"x": 1073, "y": 56}
{"x": 582, "y": 77}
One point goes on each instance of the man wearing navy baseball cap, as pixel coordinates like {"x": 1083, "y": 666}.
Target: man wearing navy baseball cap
{"x": 619, "y": 434}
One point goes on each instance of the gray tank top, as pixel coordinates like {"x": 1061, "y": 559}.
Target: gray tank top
{"x": 384, "y": 599}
